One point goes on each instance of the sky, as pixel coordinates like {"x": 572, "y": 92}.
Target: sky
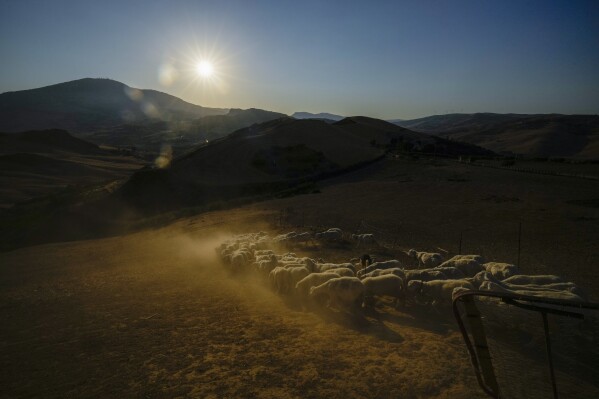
{"x": 385, "y": 59}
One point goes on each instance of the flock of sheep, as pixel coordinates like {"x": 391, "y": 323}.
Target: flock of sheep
{"x": 349, "y": 286}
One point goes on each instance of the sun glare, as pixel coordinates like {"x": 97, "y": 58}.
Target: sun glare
{"x": 204, "y": 69}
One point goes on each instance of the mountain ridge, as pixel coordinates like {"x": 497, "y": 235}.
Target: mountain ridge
{"x": 89, "y": 104}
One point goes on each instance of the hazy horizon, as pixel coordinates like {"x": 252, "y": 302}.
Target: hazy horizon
{"x": 389, "y": 60}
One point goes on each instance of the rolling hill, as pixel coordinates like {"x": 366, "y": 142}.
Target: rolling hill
{"x": 552, "y": 135}
{"x": 87, "y": 105}
{"x": 180, "y": 135}
{"x": 41, "y": 163}
{"x": 571, "y": 136}
{"x": 322, "y": 115}
{"x": 272, "y": 156}
{"x": 45, "y": 142}
{"x": 440, "y": 124}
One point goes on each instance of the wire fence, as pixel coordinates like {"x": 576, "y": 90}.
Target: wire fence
{"x": 497, "y": 244}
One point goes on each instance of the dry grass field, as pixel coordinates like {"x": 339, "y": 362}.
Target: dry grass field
{"x": 153, "y": 315}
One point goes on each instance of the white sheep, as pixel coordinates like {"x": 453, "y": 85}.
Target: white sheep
{"x": 531, "y": 286}
{"x": 541, "y": 293}
{"x": 301, "y": 237}
{"x": 501, "y": 271}
{"x": 424, "y": 275}
{"x": 240, "y": 258}
{"x": 342, "y": 271}
{"x": 477, "y": 258}
{"x": 332, "y": 234}
{"x": 467, "y": 266}
{"x": 451, "y": 273}
{"x": 388, "y": 264}
{"x": 534, "y": 279}
{"x": 364, "y": 240}
{"x": 265, "y": 263}
{"x": 384, "y": 285}
{"x": 381, "y": 272}
{"x": 313, "y": 280}
{"x": 323, "y": 267}
{"x": 436, "y": 291}
{"x": 342, "y": 293}
{"x": 284, "y": 279}
{"x": 426, "y": 259}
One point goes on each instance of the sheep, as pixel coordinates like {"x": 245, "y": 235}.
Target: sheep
{"x": 560, "y": 286}
{"x": 482, "y": 276}
{"x": 501, "y": 271}
{"x": 364, "y": 239}
{"x": 424, "y": 275}
{"x": 451, "y": 273}
{"x": 277, "y": 278}
{"x": 342, "y": 272}
{"x": 467, "y": 266}
{"x": 384, "y": 285}
{"x": 313, "y": 280}
{"x": 342, "y": 293}
{"x": 381, "y": 272}
{"x": 541, "y": 293}
{"x": 263, "y": 252}
{"x": 239, "y": 259}
{"x": 437, "y": 291}
{"x": 477, "y": 258}
{"x": 526, "y": 279}
{"x": 323, "y": 267}
{"x": 426, "y": 259}
{"x": 265, "y": 263}
{"x": 301, "y": 238}
{"x": 332, "y": 234}
{"x": 283, "y": 279}
{"x": 388, "y": 264}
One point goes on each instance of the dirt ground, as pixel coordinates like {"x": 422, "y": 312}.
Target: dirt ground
{"x": 152, "y": 315}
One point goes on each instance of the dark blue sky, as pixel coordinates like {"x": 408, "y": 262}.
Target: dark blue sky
{"x": 389, "y": 59}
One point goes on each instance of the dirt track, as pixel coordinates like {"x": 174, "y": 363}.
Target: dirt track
{"x": 152, "y": 315}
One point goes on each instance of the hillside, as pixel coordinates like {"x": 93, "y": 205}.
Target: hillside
{"x": 42, "y": 163}
{"x": 180, "y": 135}
{"x": 573, "y": 136}
{"x": 44, "y": 142}
{"x": 321, "y": 115}
{"x": 86, "y": 105}
{"x": 440, "y": 124}
{"x": 216, "y": 126}
{"x": 272, "y": 156}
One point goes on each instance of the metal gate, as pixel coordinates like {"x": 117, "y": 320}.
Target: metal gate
{"x": 530, "y": 347}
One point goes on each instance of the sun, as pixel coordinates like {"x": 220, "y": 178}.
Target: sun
{"x": 205, "y": 69}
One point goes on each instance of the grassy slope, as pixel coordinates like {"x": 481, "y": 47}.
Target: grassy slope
{"x": 40, "y": 163}
{"x": 152, "y": 315}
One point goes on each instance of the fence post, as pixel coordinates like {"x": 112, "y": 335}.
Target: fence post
{"x": 519, "y": 241}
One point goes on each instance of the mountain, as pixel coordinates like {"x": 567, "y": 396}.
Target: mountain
{"x": 216, "y": 126}
{"x": 572, "y": 136}
{"x": 544, "y": 135}
{"x": 452, "y": 122}
{"x": 322, "y": 115}
{"x": 271, "y": 156}
{"x": 180, "y": 135}
{"x": 87, "y": 105}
